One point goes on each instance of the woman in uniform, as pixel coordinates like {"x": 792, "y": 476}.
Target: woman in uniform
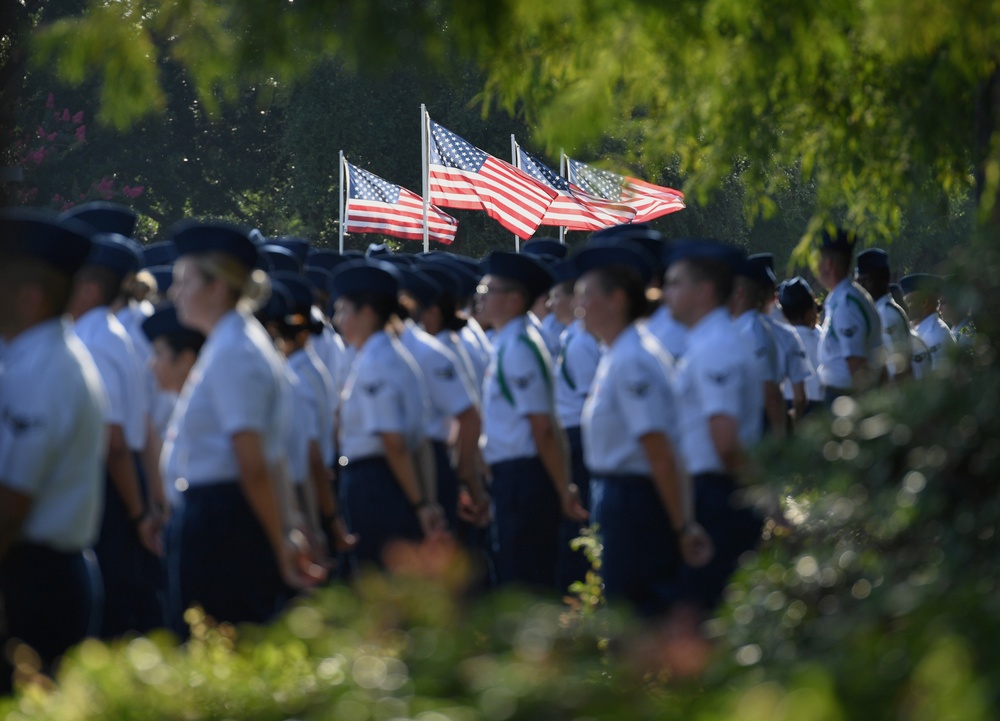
{"x": 386, "y": 491}
{"x": 236, "y": 549}
{"x": 640, "y": 499}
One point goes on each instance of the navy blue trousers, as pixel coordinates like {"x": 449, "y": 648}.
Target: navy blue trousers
{"x": 51, "y": 601}
{"x": 527, "y": 513}
{"x": 375, "y": 509}
{"x": 573, "y": 565}
{"x": 225, "y": 562}
{"x": 447, "y": 484}
{"x": 641, "y": 558}
{"x": 734, "y": 530}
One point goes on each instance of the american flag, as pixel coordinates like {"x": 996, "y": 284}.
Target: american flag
{"x": 463, "y": 176}
{"x": 573, "y": 208}
{"x": 650, "y": 201}
{"x": 377, "y": 206}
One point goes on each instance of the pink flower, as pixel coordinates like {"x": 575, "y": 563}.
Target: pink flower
{"x": 65, "y": 115}
{"x": 57, "y": 199}
{"x": 51, "y": 102}
{"x": 81, "y": 133}
{"x": 40, "y": 132}
{"x": 37, "y": 156}
{"x": 78, "y": 118}
{"x": 52, "y": 136}
{"x": 133, "y": 192}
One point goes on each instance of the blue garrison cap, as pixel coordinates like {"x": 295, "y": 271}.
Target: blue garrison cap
{"x": 164, "y": 322}
{"x": 706, "y": 249}
{"x": 448, "y": 280}
{"x": 298, "y": 246}
{"x": 618, "y": 253}
{"x": 316, "y": 277}
{"x": 400, "y": 260}
{"x": 564, "y": 270}
{"x": 545, "y": 246}
{"x": 377, "y": 249}
{"x": 164, "y": 275}
{"x": 105, "y": 217}
{"x": 524, "y": 269}
{"x": 194, "y": 236}
{"x": 114, "y": 252}
{"x": 325, "y": 259}
{"x": 764, "y": 258}
{"x": 639, "y": 233}
{"x": 795, "y": 295}
{"x": 921, "y": 283}
{"x": 872, "y": 259}
{"x": 279, "y": 303}
{"x": 279, "y": 258}
{"x": 164, "y": 253}
{"x": 466, "y": 270}
{"x": 756, "y": 268}
{"x": 364, "y": 277}
{"x": 421, "y": 286}
{"x": 298, "y": 289}
{"x": 841, "y": 241}
{"x": 63, "y": 244}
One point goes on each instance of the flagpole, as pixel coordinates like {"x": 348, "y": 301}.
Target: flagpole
{"x": 425, "y": 172}
{"x": 513, "y": 161}
{"x": 562, "y": 173}
{"x": 340, "y": 225}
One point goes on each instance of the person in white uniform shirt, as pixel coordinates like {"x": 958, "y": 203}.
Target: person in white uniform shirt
{"x": 386, "y": 477}
{"x": 131, "y": 527}
{"x": 922, "y": 292}
{"x": 549, "y": 251}
{"x": 52, "y": 442}
{"x": 237, "y": 552}
{"x": 798, "y": 306}
{"x": 522, "y": 442}
{"x": 642, "y": 500}
{"x": 872, "y": 274}
{"x": 719, "y": 410}
{"x": 851, "y": 353}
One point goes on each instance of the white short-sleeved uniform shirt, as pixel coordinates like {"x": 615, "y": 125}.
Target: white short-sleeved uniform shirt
{"x": 52, "y": 435}
{"x": 809, "y": 337}
{"x": 237, "y": 384}
{"x": 793, "y": 361}
{"x": 935, "y": 333}
{"x": 447, "y": 391}
{"x": 122, "y": 374}
{"x": 451, "y": 340}
{"x": 765, "y": 362}
{"x": 895, "y": 334}
{"x": 385, "y": 393}
{"x": 551, "y": 330}
{"x": 574, "y": 372}
{"x": 921, "y": 358}
{"x": 851, "y": 328}
{"x": 715, "y": 378}
{"x": 303, "y": 427}
{"x": 631, "y": 397}
{"x": 479, "y": 347}
{"x": 318, "y": 385}
{"x": 518, "y": 384}
{"x": 670, "y": 333}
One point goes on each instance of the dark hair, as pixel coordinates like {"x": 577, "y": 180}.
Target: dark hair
{"x": 620, "y": 277}
{"x": 384, "y": 306}
{"x": 190, "y": 340}
{"x": 108, "y": 282}
{"x": 448, "y": 306}
{"x": 22, "y": 270}
{"x": 716, "y": 272}
{"x": 840, "y": 258}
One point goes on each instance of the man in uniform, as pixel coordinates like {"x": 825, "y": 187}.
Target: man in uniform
{"x": 922, "y": 292}
{"x": 52, "y": 444}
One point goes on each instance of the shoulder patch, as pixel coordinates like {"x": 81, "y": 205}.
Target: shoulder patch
{"x": 446, "y": 372}
{"x": 718, "y": 378}
{"x": 524, "y": 381}
{"x": 373, "y": 388}
{"x": 20, "y": 424}
{"x": 849, "y": 332}
{"x": 639, "y": 390}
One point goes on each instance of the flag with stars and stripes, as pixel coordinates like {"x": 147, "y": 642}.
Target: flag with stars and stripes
{"x": 573, "y": 208}
{"x": 463, "y": 176}
{"x": 650, "y": 201}
{"x": 375, "y": 205}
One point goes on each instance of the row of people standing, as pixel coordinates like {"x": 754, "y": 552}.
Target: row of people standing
{"x": 402, "y": 419}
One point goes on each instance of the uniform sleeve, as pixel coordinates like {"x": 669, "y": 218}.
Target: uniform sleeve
{"x": 852, "y": 325}
{"x": 445, "y": 385}
{"x": 643, "y": 396}
{"x": 526, "y": 376}
{"x": 242, "y": 390}
{"x": 580, "y": 363}
{"x": 897, "y": 332}
{"x": 115, "y": 384}
{"x": 716, "y": 380}
{"x": 380, "y": 401}
{"x": 25, "y": 429}
{"x": 798, "y": 368}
